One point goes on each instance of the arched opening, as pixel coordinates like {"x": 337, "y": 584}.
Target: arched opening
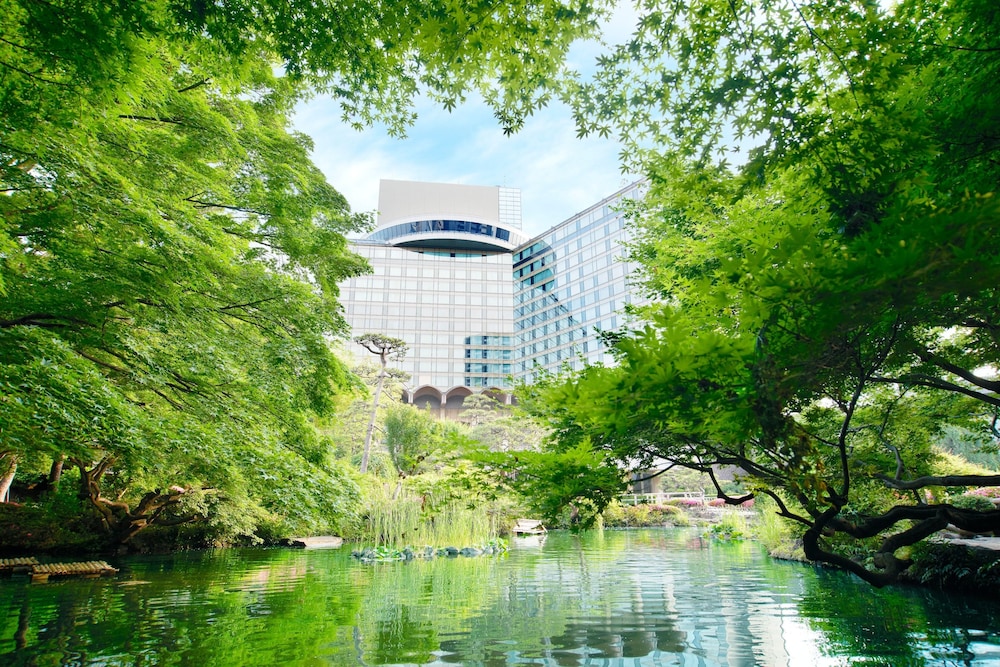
{"x": 455, "y": 399}
{"x": 427, "y": 398}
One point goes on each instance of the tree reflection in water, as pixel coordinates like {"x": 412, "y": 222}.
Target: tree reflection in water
{"x": 654, "y": 597}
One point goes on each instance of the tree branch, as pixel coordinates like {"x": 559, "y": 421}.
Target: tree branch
{"x": 938, "y": 383}
{"x": 945, "y": 480}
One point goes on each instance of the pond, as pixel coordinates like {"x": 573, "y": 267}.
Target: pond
{"x": 636, "y": 598}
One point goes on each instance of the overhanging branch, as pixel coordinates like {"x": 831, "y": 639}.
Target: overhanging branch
{"x": 943, "y": 480}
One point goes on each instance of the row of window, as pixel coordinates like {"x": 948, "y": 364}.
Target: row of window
{"x": 488, "y": 340}
{"x": 527, "y": 316}
{"x": 503, "y": 369}
{"x": 590, "y": 351}
{"x": 404, "y": 327}
{"x": 595, "y": 215}
{"x": 539, "y": 278}
{"x": 545, "y": 307}
{"x": 529, "y": 252}
{"x": 554, "y": 342}
{"x": 479, "y": 381}
{"x": 387, "y": 255}
{"x": 458, "y": 272}
{"x": 531, "y": 267}
{"x": 480, "y": 353}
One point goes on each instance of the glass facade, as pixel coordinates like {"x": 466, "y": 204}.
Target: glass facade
{"x": 422, "y": 226}
{"x": 570, "y": 283}
{"x": 478, "y": 320}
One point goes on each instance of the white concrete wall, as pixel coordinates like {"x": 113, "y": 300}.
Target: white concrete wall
{"x": 406, "y": 201}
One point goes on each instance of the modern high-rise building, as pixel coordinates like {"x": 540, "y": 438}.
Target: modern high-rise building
{"x": 570, "y": 283}
{"x": 479, "y": 303}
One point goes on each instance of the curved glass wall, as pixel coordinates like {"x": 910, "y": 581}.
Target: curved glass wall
{"x": 477, "y": 229}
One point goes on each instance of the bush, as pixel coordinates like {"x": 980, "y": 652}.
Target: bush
{"x": 954, "y": 567}
{"x": 617, "y": 515}
{"x": 973, "y": 502}
{"x": 732, "y": 527}
{"x": 985, "y": 492}
{"x": 57, "y": 524}
{"x": 686, "y": 502}
{"x": 720, "y": 502}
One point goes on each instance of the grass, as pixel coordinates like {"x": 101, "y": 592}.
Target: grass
{"x": 409, "y": 520}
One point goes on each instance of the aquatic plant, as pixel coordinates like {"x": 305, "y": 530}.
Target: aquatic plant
{"x": 417, "y": 519}
{"x": 731, "y": 526}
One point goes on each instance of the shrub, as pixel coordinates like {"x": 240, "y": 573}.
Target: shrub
{"x": 732, "y": 526}
{"x": 720, "y": 502}
{"x": 954, "y": 567}
{"x": 639, "y": 516}
{"x": 57, "y": 524}
{"x": 973, "y": 502}
{"x": 614, "y": 514}
{"x": 985, "y": 492}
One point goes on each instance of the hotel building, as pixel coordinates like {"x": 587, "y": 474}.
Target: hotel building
{"x": 480, "y": 304}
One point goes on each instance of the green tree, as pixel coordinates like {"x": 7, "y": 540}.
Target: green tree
{"x": 169, "y": 255}
{"x": 481, "y": 409}
{"x": 576, "y": 478}
{"x": 348, "y": 426}
{"x": 385, "y": 347}
{"x": 828, "y": 306}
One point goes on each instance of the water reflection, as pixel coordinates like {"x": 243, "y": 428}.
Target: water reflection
{"x": 639, "y": 598}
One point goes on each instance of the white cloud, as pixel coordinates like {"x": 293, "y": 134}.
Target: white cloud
{"x": 558, "y": 174}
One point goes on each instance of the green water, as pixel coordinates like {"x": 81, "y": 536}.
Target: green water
{"x": 636, "y": 598}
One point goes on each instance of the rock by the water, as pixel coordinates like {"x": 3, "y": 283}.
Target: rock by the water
{"x": 317, "y": 542}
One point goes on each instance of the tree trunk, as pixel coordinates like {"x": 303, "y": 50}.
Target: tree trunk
{"x": 371, "y": 420}
{"x": 8, "y": 477}
{"x": 121, "y": 522}
{"x": 55, "y": 472}
{"x": 90, "y": 490}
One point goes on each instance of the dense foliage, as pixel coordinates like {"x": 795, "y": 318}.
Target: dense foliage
{"x": 169, "y": 255}
{"x": 825, "y": 310}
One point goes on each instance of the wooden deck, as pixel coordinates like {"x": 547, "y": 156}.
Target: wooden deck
{"x": 9, "y": 565}
{"x": 89, "y": 569}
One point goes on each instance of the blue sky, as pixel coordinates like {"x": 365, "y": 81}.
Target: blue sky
{"x": 558, "y": 174}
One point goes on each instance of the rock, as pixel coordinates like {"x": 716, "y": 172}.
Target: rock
{"x": 317, "y": 542}
{"x": 470, "y": 551}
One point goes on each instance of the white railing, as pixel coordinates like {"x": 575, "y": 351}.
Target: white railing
{"x": 659, "y": 498}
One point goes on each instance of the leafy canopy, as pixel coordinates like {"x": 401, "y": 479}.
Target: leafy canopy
{"x": 824, "y": 310}
{"x": 169, "y": 255}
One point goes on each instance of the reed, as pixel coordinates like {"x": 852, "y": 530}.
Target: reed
{"x": 407, "y": 521}
{"x": 771, "y": 530}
